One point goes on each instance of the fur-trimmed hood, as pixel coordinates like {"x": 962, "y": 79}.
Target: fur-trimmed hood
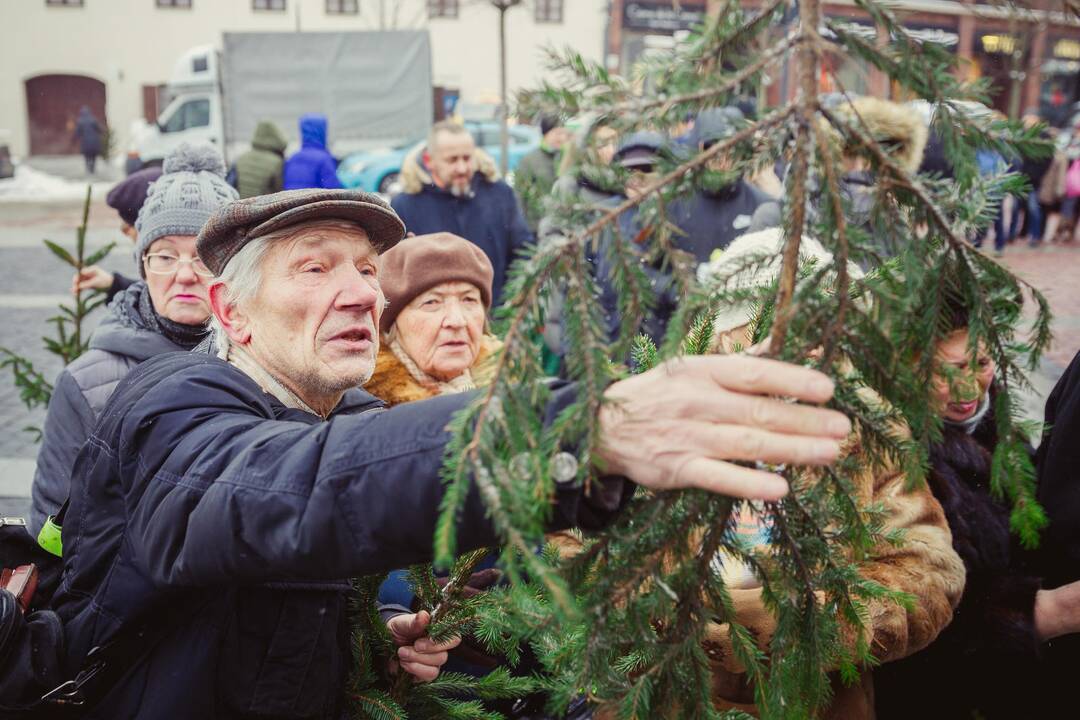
{"x": 393, "y": 384}
{"x": 892, "y": 124}
{"x": 415, "y": 175}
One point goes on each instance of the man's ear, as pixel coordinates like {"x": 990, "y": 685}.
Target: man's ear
{"x": 231, "y": 318}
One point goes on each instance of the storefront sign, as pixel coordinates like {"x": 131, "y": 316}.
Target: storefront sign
{"x": 992, "y": 44}
{"x": 1067, "y": 49}
{"x": 660, "y": 16}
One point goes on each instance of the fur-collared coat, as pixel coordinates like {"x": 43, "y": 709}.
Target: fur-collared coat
{"x": 925, "y": 566}
{"x": 394, "y": 384}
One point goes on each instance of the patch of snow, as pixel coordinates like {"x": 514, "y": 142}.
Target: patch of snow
{"x": 30, "y": 185}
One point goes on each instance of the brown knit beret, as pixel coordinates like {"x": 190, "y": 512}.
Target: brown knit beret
{"x": 231, "y": 227}
{"x": 417, "y": 264}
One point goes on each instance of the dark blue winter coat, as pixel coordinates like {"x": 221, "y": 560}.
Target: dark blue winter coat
{"x": 200, "y": 497}
{"x": 491, "y": 219}
{"x": 708, "y": 222}
{"x": 312, "y": 166}
{"x": 88, "y": 132}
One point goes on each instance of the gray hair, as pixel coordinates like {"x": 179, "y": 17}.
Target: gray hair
{"x": 242, "y": 275}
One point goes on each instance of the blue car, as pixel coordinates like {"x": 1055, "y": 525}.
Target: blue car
{"x": 377, "y": 170}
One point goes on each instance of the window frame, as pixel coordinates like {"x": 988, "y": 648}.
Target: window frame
{"x": 341, "y": 7}
{"x": 443, "y": 9}
{"x": 267, "y": 8}
{"x": 549, "y": 12}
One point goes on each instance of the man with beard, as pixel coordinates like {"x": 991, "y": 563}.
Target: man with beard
{"x": 455, "y": 198}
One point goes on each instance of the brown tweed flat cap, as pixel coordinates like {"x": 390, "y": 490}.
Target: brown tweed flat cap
{"x": 231, "y": 227}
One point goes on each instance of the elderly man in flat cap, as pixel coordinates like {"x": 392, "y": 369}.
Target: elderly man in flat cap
{"x": 220, "y": 500}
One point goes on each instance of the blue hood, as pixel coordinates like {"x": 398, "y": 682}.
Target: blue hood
{"x": 313, "y": 130}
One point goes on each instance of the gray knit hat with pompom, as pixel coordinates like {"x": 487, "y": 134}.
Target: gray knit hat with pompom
{"x": 191, "y": 188}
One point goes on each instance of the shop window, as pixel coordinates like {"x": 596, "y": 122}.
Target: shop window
{"x": 278, "y": 5}
{"x": 342, "y": 7}
{"x": 548, "y": 11}
{"x": 442, "y": 8}
{"x": 174, "y": 4}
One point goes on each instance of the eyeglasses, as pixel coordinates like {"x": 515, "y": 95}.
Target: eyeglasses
{"x": 167, "y": 264}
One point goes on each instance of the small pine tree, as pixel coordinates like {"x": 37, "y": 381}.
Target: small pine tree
{"x": 35, "y": 390}
{"x": 622, "y": 622}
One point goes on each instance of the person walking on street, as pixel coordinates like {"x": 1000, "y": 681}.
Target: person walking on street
{"x": 724, "y": 204}
{"x": 259, "y": 171}
{"x": 536, "y": 172}
{"x": 312, "y": 166}
{"x": 165, "y": 311}
{"x": 88, "y": 132}
{"x": 1034, "y": 169}
{"x": 445, "y": 193}
{"x": 222, "y": 497}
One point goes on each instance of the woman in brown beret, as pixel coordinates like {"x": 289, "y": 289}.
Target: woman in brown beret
{"x": 434, "y": 339}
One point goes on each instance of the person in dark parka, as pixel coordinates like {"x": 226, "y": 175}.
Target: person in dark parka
{"x": 725, "y": 203}
{"x": 312, "y": 166}
{"x": 1059, "y": 494}
{"x": 989, "y": 661}
{"x": 259, "y": 170}
{"x": 88, "y": 132}
{"x": 222, "y": 498}
{"x": 447, "y": 191}
{"x": 536, "y": 172}
{"x": 162, "y": 312}
{"x": 710, "y": 219}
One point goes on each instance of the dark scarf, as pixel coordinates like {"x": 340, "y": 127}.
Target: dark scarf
{"x": 135, "y": 308}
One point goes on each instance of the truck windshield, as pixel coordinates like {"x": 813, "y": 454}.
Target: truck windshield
{"x": 192, "y": 114}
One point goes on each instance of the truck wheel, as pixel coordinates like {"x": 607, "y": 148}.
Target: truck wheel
{"x": 388, "y": 181}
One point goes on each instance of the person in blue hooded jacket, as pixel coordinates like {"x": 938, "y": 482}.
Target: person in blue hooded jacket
{"x": 312, "y": 166}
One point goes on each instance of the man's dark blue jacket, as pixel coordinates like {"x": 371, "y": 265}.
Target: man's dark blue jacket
{"x": 203, "y": 505}
{"x": 491, "y": 219}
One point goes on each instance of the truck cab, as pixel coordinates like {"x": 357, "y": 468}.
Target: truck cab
{"x": 194, "y": 112}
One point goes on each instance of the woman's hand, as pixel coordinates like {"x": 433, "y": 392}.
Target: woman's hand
{"x": 91, "y": 278}
{"x": 418, "y": 654}
{"x": 681, "y": 424}
{"x": 1057, "y": 611}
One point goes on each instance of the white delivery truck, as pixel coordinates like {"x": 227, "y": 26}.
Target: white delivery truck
{"x": 374, "y": 87}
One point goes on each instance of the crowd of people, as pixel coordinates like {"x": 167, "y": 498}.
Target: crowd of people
{"x": 263, "y": 412}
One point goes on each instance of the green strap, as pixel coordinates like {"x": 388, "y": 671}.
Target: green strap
{"x": 49, "y": 537}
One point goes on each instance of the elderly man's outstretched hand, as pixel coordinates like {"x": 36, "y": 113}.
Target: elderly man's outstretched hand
{"x": 682, "y": 424}
{"x": 418, "y": 654}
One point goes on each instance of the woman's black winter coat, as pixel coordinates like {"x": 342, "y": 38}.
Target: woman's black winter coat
{"x": 987, "y": 660}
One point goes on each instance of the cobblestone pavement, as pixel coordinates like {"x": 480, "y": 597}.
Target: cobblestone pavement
{"x": 32, "y": 281}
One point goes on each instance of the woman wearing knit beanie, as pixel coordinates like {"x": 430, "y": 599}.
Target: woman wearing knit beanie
{"x": 163, "y": 312}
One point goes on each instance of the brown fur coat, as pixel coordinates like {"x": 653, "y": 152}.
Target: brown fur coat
{"x": 925, "y": 566}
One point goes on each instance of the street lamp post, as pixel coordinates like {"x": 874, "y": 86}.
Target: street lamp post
{"x": 504, "y": 131}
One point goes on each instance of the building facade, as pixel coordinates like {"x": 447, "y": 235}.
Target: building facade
{"x": 1031, "y": 56}
{"x": 116, "y": 55}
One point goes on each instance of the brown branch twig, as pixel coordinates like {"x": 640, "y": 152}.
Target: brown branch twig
{"x": 842, "y": 280}
{"x": 809, "y": 60}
